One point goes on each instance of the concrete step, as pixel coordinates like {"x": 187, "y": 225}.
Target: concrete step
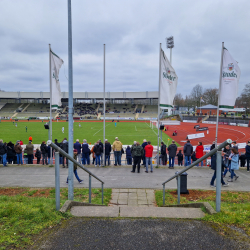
{"x": 137, "y": 212}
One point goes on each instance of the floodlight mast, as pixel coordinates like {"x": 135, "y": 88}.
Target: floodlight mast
{"x": 170, "y": 45}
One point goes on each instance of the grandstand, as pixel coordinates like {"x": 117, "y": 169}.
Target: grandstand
{"x": 87, "y": 105}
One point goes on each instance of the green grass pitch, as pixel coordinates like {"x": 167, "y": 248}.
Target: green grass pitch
{"x": 127, "y": 132}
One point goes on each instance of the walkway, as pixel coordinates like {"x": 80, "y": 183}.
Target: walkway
{"x": 116, "y": 177}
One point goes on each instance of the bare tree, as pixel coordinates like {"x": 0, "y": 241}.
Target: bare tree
{"x": 210, "y": 96}
{"x": 196, "y": 94}
{"x": 178, "y": 100}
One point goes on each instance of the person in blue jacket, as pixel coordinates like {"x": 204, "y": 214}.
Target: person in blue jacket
{"x": 234, "y": 157}
{"x": 78, "y": 147}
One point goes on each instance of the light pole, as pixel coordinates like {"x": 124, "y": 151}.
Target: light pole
{"x": 170, "y": 45}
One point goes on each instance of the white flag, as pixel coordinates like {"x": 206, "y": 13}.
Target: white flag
{"x": 168, "y": 83}
{"x": 229, "y": 81}
{"x": 56, "y": 63}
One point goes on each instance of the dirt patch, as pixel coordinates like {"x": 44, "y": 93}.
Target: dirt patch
{"x": 195, "y": 195}
{"x": 12, "y": 191}
{"x": 28, "y": 192}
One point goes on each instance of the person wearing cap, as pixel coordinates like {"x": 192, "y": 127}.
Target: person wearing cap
{"x": 117, "y": 147}
{"x": 18, "y": 150}
{"x": 107, "y": 152}
{"x": 30, "y": 138}
{"x": 78, "y": 147}
{"x": 85, "y": 153}
{"x": 75, "y": 152}
{"x": 143, "y": 157}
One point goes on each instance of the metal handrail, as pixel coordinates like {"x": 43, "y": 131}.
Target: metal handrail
{"x": 213, "y": 151}
{"x": 57, "y": 175}
{"x": 62, "y": 152}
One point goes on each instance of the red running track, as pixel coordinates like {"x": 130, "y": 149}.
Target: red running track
{"x": 235, "y": 133}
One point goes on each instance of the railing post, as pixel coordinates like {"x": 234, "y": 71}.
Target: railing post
{"x": 102, "y": 193}
{"x": 163, "y": 194}
{"x": 89, "y": 188}
{"x": 218, "y": 181}
{"x": 178, "y": 188}
{"x": 57, "y": 180}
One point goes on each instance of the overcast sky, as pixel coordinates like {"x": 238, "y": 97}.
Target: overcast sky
{"x": 132, "y": 31}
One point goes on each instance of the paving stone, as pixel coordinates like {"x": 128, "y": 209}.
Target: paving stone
{"x": 132, "y": 198}
{"x": 132, "y": 190}
{"x": 132, "y": 203}
{"x": 115, "y": 190}
{"x": 142, "y": 202}
{"x": 140, "y": 206}
{"x": 141, "y": 191}
{"x": 123, "y": 202}
{"x": 124, "y": 190}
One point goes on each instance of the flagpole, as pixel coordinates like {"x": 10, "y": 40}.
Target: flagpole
{"x": 50, "y": 111}
{"x": 158, "y": 119}
{"x": 217, "y": 120}
{"x": 70, "y": 105}
{"x": 104, "y": 108}
{"x": 200, "y": 106}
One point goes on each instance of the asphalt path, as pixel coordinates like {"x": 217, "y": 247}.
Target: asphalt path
{"x": 116, "y": 177}
{"x": 85, "y": 233}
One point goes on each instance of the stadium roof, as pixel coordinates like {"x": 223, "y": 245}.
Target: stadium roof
{"x": 80, "y": 95}
{"x": 209, "y": 106}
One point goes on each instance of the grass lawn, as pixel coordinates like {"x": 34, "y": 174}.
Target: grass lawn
{"x": 26, "y": 212}
{"x": 235, "y": 206}
{"x": 127, "y": 132}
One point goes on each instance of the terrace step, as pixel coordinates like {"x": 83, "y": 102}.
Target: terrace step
{"x": 137, "y": 212}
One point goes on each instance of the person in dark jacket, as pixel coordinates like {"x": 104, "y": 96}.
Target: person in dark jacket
{"x": 107, "y": 152}
{"x": 65, "y": 147}
{"x": 97, "y": 150}
{"x": 193, "y": 157}
{"x": 18, "y": 150}
{"x": 247, "y": 148}
{"x": 213, "y": 167}
{"x": 226, "y": 152}
{"x": 38, "y": 155}
{"x": 188, "y": 150}
{"x": 163, "y": 156}
{"x": 138, "y": 153}
{"x": 75, "y": 152}
{"x": 85, "y": 153}
{"x": 144, "y": 144}
{"x": 180, "y": 158}
{"x": 11, "y": 153}
{"x": 128, "y": 155}
{"x": 172, "y": 149}
{"x": 44, "y": 151}
{"x": 242, "y": 160}
{"x": 3, "y": 153}
{"x": 78, "y": 147}
{"x": 101, "y": 156}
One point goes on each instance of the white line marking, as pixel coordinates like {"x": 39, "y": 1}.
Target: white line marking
{"x": 100, "y": 130}
{"x": 135, "y": 128}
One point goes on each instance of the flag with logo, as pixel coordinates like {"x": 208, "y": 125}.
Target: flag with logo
{"x": 229, "y": 81}
{"x": 56, "y": 63}
{"x": 168, "y": 83}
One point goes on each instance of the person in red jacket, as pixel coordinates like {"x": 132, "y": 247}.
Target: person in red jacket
{"x": 199, "y": 152}
{"x": 148, "y": 155}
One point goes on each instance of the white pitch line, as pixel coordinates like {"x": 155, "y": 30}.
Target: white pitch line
{"x": 157, "y": 135}
{"x": 100, "y": 130}
{"x": 135, "y": 128}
